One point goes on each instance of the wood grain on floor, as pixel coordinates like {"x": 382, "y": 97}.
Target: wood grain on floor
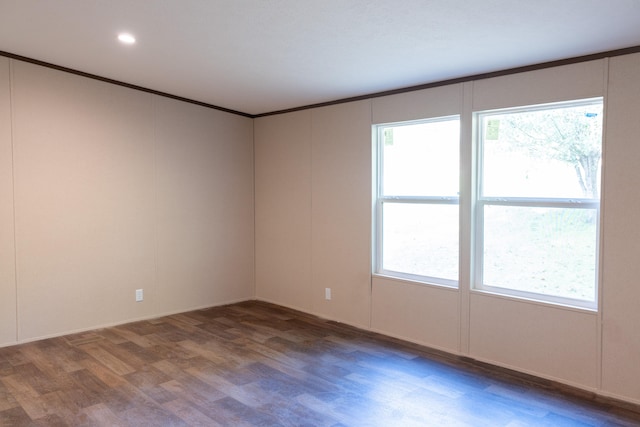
{"x": 256, "y": 364}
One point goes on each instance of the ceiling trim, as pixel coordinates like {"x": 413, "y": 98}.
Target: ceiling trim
{"x": 119, "y": 83}
{"x": 533, "y": 67}
{"x": 540, "y": 66}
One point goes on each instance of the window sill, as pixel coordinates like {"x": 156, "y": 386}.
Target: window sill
{"x": 415, "y": 282}
{"x": 536, "y": 301}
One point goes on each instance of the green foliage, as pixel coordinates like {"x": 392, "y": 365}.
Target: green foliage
{"x": 572, "y": 135}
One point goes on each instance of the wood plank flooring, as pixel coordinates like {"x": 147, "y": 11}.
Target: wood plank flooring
{"x": 255, "y": 364}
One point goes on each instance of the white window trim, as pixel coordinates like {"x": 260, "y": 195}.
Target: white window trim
{"x": 480, "y": 202}
{"x": 380, "y": 199}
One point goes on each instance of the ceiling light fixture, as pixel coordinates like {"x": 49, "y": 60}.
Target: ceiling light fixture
{"x": 126, "y": 38}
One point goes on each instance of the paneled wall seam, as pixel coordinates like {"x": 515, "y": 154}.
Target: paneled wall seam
{"x": 13, "y": 195}
{"x": 311, "y": 302}
{"x": 253, "y": 181}
{"x": 156, "y": 202}
{"x": 600, "y": 282}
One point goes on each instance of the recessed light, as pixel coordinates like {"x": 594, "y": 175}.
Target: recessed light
{"x": 126, "y": 38}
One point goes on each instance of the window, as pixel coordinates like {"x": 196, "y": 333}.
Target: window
{"x": 538, "y": 201}
{"x": 535, "y": 201}
{"x": 416, "y": 210}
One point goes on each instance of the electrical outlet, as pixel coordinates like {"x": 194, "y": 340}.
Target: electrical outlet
{"x": 327, "y": 293}
{"x": 139, "y": 295}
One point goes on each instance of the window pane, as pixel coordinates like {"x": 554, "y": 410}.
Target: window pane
{"x": 421, "y": 159}
{"x": 548, "y": 251}
{"x": 421, "y": 239}
{"x": 553, "y": 152}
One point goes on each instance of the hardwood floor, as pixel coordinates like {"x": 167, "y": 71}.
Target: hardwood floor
{"x": 255, "y": 364}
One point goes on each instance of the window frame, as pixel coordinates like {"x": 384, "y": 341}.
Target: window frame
{"x": 480, "y": 202}
{"x": 380, "y": 199}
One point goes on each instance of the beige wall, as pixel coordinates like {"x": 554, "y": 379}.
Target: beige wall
{"x": 204, "y": 203}
{"x": 341, "y": 212}
{"x": 7, "y": 259}
{"x": 621, "y": 231}
{"x": 116, "y": 190}
{"x": 313, "y": 204}
{"x": 283, "y": 209}
{"x": 596, "y": 351}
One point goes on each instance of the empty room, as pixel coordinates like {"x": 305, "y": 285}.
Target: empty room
{"x": 319, "y": 213}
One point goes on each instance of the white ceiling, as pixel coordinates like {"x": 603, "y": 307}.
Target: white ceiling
{"x": 258, "y": 56}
